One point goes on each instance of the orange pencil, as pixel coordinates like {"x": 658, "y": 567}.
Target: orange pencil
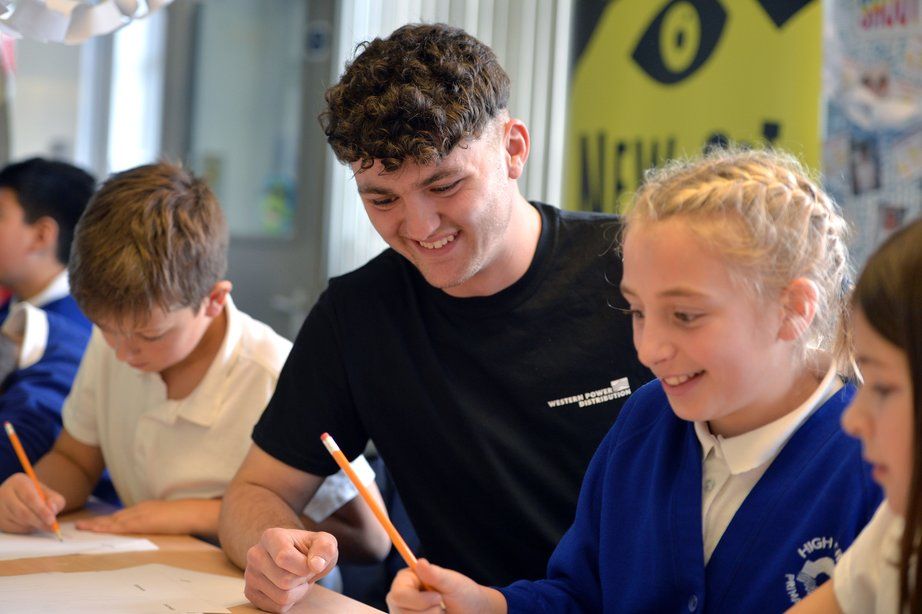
{"x": 14, "y": 439}
{"x": 397, "y": 540}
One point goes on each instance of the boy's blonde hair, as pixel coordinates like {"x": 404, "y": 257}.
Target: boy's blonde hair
{"x": 152, "y": 236}
{"x": 764, "y": 213}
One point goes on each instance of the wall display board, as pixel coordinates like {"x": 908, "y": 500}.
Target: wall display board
{"x": 658, "y": 79}
{"x": 872, "y": 146}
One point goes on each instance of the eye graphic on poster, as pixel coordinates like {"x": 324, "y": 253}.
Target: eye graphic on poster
{"x": 873, "y": 102}
{"x": 655, "y": 80}
{"x": 680, "y": 39}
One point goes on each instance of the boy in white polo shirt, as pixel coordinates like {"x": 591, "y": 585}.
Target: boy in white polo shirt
{"x": 174, "y": 376}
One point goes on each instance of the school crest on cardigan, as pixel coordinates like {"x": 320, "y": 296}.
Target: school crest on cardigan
{"x": 819, "y": 556}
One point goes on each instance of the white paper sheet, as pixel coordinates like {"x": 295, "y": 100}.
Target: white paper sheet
{"x": 75, "y": 542}
{"x": 153, "y": 589}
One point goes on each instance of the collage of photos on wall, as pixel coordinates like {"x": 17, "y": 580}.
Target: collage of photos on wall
{"x": 872, "y": 158}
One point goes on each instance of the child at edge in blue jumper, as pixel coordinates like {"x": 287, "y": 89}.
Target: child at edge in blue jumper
{"x": 880, "y": 571}
{"x": 726, "y": 484}
{"x": 40, "y": 203}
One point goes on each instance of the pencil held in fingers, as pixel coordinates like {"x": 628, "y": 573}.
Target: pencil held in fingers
{"x": 343, "y": 463}
{"x": 27, "y": 466}
{"x": 379, "y": 513}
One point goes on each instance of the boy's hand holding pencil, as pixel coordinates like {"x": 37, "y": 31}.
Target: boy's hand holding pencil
{"x": 25, "y": 503}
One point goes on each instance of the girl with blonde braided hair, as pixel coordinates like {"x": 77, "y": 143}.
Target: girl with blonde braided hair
{"x": 727, "y": 484}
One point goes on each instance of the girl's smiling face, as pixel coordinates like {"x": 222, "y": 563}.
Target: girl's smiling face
{"x": 716, "y": 348}
{"x": 881, "y": 414}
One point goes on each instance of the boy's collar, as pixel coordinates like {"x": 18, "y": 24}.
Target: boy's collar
{"x": 212, "y": 384}
{"x": 30, "y": 324}
{"x": 57, "y": 289}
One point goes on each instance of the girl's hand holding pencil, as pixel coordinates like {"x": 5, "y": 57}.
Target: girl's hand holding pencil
{"x": 434, "y": 589}
{"x": 422, "y": 587}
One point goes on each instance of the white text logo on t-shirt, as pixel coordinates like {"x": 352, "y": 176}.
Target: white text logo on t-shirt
{"x": 819, "y": 556}
{"x": 615, "y": 390}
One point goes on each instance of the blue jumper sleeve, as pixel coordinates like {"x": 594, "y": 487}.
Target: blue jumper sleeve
{"x": 573, "y": 583}
{"x": 31, "y": 398}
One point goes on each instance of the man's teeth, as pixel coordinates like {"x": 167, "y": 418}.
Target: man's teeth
{"x": 675, "y": 380}
{"x": 438, "y": 244}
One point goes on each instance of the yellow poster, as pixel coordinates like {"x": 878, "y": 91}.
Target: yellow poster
{"x": 657, "y": 79}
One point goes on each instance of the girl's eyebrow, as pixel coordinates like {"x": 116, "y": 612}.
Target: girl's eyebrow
{"x": 682, "y": 292}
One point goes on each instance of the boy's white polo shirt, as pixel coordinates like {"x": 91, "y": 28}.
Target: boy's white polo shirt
{"x": 157, "y": 448}
{"x": 733, "y": 465}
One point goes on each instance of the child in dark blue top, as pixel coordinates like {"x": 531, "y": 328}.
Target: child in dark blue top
{"x": 727, "y": 484}
{"x": 40, "y": 351}
{"x": 40, "y": 203}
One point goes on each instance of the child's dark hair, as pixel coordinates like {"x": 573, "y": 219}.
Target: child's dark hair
{"x": 889, "y": 294}
{"x": 49, "y": 188}
{"x": 414, "y": 95}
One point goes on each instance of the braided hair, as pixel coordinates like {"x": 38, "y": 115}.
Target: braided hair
{"x": 762, "y": 211}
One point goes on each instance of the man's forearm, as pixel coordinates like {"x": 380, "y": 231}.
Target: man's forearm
{"x": 246, "y": 512}
{"x": 361, "y": 538}
{"x": 359, "y": 545}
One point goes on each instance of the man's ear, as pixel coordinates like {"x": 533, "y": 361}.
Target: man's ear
{"x": 798, "y": 302}
{"x": 517, "y": 144}
{"x": 217, "y": 298}
{"x": 45, "y": 232}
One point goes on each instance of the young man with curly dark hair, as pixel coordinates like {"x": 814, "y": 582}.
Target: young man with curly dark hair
{"x": 480, "y": 352}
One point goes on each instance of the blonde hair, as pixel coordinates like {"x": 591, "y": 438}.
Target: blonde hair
{"x": 762, "y": 211}
{"x": 152, "y": 236}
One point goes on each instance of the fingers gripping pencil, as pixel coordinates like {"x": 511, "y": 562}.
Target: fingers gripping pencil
{"x": 27, "y": 466}
{"x": 382, "y": 517}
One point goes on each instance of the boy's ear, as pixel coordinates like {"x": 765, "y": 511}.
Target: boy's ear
{"x": 45, "y": 233}
{"x": 517, "y": 144}
{"x": 217, "y": 298}
{"x": 798, "y": 302}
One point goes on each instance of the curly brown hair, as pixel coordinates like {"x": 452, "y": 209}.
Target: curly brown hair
{"x": 416, "y": 94}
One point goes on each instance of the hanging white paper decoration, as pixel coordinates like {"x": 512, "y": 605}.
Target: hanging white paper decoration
{"x": 70, "y": 21}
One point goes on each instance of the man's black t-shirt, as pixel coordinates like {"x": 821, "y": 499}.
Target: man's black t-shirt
{"x": 486, "y": 410}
